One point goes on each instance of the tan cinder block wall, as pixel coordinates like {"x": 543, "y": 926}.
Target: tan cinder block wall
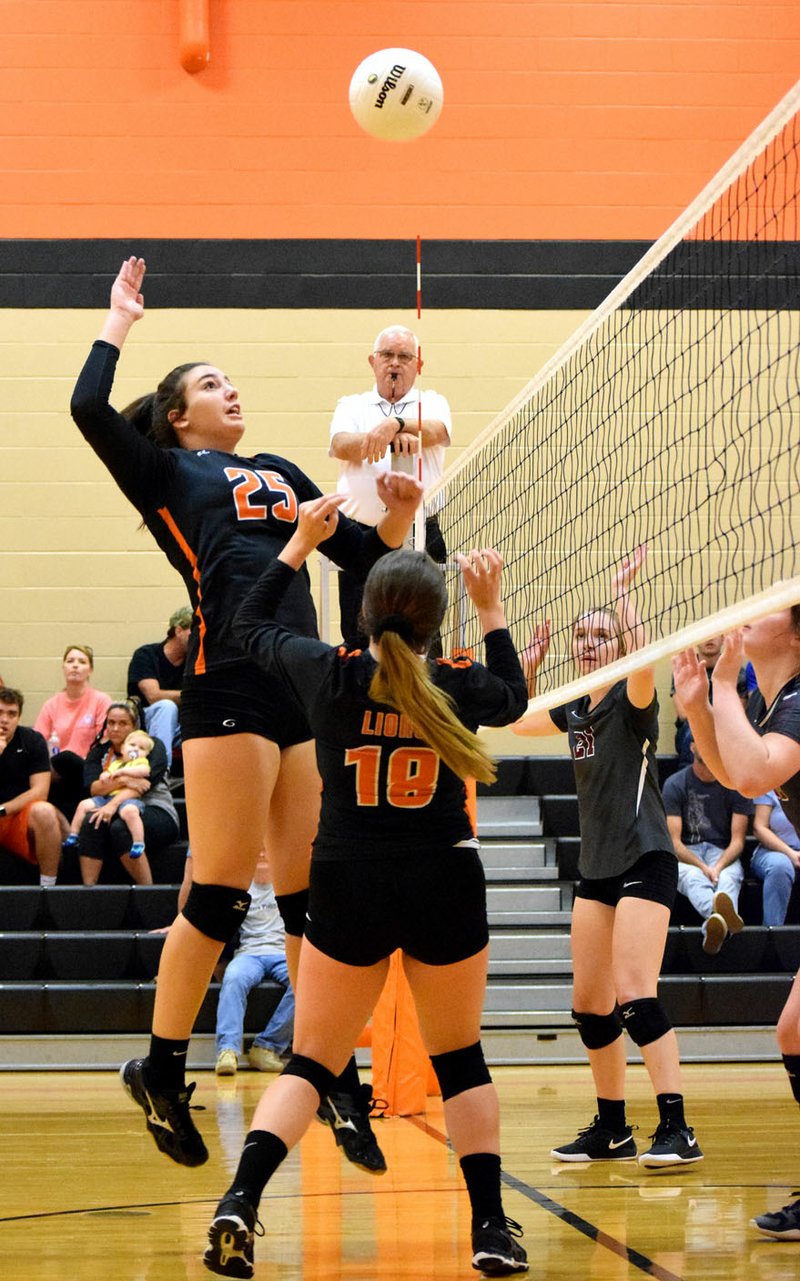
{"x": 75, "y": 566}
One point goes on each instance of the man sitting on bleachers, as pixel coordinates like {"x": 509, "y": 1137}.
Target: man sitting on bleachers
{"x": 155, "y": 678}
{"x": 708, "y": 826}
{"x": 30, "y": 827}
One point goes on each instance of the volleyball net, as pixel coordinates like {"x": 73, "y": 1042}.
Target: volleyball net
{"x": 672, "y": 418}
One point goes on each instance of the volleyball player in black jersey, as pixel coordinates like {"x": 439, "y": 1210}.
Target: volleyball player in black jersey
{"x": 396, "y": 855}
{"x": 756, "y": 751}
{"x": 249, "y": 764}
{"x": 629, "y": 877}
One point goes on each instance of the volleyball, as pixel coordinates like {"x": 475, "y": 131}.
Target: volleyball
{"x": 396, "y": 95}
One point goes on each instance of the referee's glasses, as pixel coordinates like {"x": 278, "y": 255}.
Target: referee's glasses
{"x": 402, "y": 357}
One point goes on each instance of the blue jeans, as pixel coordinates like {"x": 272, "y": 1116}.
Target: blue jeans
{"x": 698, "y": 888}
{"x": 777, "y": 873}
{"x": 161, "y": 721}
{"x": 244, "y": 973}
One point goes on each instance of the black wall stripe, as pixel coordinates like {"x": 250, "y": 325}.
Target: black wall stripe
{"x": 526, "y": 275}
{"x": 330, "y": 274}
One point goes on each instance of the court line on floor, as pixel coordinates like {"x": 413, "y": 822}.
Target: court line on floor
{"x": 569, "y": 1217}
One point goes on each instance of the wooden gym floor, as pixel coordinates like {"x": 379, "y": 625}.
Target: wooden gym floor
{"x": 86, "y": 1196}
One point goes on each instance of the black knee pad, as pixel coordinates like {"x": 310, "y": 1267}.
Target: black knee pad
{"x": 598, "y": 1030}
{"x": 322, "y": 1079}
{"x": 644, "y": 1020}
{"x": 216, "y": 910}
{"x": 460, "y": 1070}
{"x": 293, "y": 908}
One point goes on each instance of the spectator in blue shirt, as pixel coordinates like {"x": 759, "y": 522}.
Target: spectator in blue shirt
{"x": 708, "y": 826}
{"x": 776, "y": 858}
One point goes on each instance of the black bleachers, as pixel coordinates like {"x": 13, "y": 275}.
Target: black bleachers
{"x": 82, "y": 960}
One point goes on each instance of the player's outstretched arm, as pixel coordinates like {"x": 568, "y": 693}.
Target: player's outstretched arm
{"x": 535, "y": 724}
{"x": 640, "y": 685}
{"x": 126, "y": 305}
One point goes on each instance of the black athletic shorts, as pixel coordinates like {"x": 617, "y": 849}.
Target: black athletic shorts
{"x": 654, "y": 877}
{"x": 433, "y": 907}
{"x": 241, "y": 699}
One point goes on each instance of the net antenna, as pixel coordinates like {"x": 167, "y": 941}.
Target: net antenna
{"x": 671, "y": 417}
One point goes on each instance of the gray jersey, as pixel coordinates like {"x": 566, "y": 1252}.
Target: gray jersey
{"x": 613, "y": 747}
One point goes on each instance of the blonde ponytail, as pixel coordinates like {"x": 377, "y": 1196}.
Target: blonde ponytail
{"x": 402, "y": 682}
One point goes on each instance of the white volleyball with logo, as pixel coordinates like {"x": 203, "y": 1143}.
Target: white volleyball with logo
{"x": 396, "y": 94}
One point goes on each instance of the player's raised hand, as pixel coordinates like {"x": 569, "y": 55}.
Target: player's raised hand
{"x": 691, "y": 679}
{"x": 481, "y": 570}
{"x": 628, "y": 569}
{"x": 731, "y": 660}
{"x": 126, "y": 291}
{"x": 399, "y": 493}
{"x": 127, "y": 302}
{"x": 535, "y": 652}
{"x": 317, "y": 519}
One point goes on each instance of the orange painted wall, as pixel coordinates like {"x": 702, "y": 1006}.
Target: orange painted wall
{"x": 561, "y": 120}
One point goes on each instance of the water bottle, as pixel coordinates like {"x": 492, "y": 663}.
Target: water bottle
{"x": 54, "y": 744}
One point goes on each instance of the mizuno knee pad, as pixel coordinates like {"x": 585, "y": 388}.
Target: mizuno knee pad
{"x": 598, "y": 1030}
{"x": 644, "y": 1020}
{"x": 216, "y": 910}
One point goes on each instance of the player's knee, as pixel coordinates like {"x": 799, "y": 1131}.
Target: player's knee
{"x": 322, "y": 1078}
{"x": 598, "y": 1030}
{"x": 293, "y": 908}
{"x": 460, "y": 1070}
{"x": 216, "y": 910}
{"x": 644, "y": 1020}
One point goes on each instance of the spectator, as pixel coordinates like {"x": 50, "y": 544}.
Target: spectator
{"x": 708, "y": 652}
{"x": 155, "y": 678}
{"x": 776, "y": 858}
{"x": 708, "y": 826}
{"x": 30, "y": 827}
{"x": 371, "y": 430}
{"x": 133, "y": 761}
{"x": 260, "y": 954}
{"x": 104, "y": 836}
{"x": 70, "y": 722}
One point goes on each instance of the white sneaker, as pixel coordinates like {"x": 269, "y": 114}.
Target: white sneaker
{"x": 227, "y": 1063}
{"x": 263, "y": 1059}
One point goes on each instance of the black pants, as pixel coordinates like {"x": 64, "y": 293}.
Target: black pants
{"x": 351, "y": 590}
{"x": 110, "y": 840}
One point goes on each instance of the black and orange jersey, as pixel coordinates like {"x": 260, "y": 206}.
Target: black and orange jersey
{"x": 385, "y": 790}
{"x": 218, "y": 517}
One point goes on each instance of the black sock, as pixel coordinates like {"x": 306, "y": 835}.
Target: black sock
{"x": 792, "y": 1064}
{"x": 481, "y": 1172}
{"x": 670, "y": 1108}
{"x": 612, "y": 1115}
{"x": 166, "y": 1062}
{"x": 348, "y": 1082}
{"x": 261, "y": 1155}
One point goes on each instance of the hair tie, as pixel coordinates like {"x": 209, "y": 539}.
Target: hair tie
{"x": 395, "y": 623}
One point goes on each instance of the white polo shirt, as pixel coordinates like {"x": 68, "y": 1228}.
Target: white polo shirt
{"x": 359, "y": 414}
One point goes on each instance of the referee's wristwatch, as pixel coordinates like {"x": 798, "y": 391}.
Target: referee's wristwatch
{"x": 401, "y": 422}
